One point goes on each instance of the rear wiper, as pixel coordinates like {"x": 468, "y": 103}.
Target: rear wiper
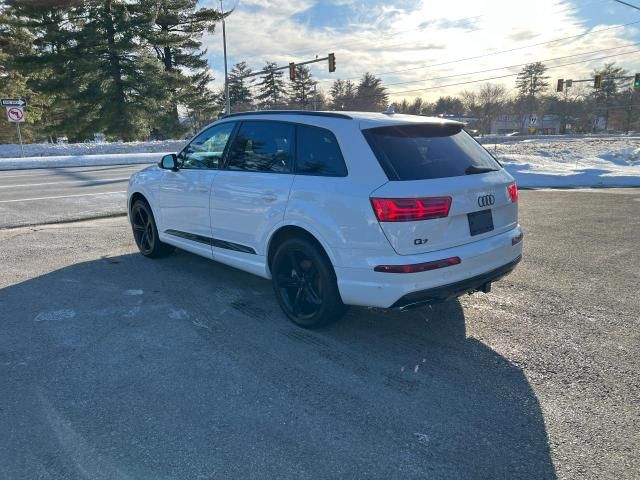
{"x": 473, "y": 170}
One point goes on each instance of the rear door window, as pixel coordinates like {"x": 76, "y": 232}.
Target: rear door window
{"x": 426, "y": 151}
{"x": 262, "y": 146}
{"x": 318, "y": 153}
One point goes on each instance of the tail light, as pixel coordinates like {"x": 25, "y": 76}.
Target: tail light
{"x": 512, "y": 190}
{"x": 418, "y": 267}
{"x": 410, "y": 209}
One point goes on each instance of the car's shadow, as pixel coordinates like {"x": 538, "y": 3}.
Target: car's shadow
{"x": 182, "y": 368}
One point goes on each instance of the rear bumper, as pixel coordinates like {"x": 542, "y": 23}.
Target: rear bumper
{"x": 481, "y": 262}
{"x": 453, "y": 290}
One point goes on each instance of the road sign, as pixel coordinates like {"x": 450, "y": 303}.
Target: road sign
{"x": 15, "y": 114}
{"x": 533, "y": 120}
{"x": 13, "y": 102}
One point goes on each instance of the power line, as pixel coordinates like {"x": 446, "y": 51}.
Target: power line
{"x": 505, "y": 76}
{"x": 627, "y": 4}
{"x": 514, "y": 66}
{"x": 502, "y": 51}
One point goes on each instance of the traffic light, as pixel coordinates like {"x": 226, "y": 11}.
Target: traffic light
{"x": 332, "y": 62}
{"x": 560, "y": 86}
{"x": 636, "y": 82}
{"x": 292, "y": 71}
{"x": 597, "y": 81}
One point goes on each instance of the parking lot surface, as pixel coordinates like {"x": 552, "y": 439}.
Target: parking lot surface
{"x": 116, "y": 366}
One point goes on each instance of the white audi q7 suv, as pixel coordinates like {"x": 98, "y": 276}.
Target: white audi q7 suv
{"x": 336, "y": 208}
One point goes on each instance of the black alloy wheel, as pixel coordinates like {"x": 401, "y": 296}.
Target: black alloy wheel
{"x": 305, "y": 284}
{"x": 145, "y": 232}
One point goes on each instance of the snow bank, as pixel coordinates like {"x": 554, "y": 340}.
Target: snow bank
{"x": 79, "y": 160}
{"x": 570, "y": 162}
{"x": 74, "y": 149}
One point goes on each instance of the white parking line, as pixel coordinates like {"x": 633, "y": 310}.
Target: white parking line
{"x": 61, "y": 196}
{"x": 92, "y": 181}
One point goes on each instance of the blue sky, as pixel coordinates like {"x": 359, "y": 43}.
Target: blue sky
{"x": 419, "y": 47}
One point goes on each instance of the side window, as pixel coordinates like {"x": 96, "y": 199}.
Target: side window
{"x": 262, "y": 146}
{"x": 207, "y": 149}
{"x": 318, "y": 153}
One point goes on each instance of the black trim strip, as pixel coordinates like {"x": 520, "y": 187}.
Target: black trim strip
{"x": 290, "y": 112}
{"x": 214, "y": 242}
{"x": 452, "y": 290}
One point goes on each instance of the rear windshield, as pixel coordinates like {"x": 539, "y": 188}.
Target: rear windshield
{"x": 420, "y": 152}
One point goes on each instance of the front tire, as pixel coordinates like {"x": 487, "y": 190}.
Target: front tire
{"x": 145, "y": 232}
{"x": 305, "y": 284}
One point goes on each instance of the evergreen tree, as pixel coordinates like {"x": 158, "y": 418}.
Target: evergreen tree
{"x": 448, "y": 106}
{"x": 14, "y": 43}
{"x": 371, "y": 96}
{"x": 272, "y": 89}
{"x": 302, "y": 88}
{"x": 177, "y": 27}
{"x": 531, "y": 83}
{"x": 343, "y": 94}
{"x": 609, "y": 92}
{"x": 240, "y": 94}
{"x": 88, "y": 55}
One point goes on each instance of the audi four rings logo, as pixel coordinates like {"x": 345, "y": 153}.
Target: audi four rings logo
{"x": 486, "y": 200}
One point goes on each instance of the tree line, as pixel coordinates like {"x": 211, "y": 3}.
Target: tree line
{"x": 137, "y": 69}
{"x": 123, "y": 68}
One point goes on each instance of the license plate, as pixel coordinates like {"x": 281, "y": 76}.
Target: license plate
{"x": 480, "y": 222}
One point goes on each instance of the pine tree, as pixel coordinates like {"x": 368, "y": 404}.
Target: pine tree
{"x": 611, "y": 84}
{"x": 240, "y": 94}
{"x": 16, "y": 42}
{"x": 272, "y": 88}
{"x": 302, "y": 88}
{"x": 88, "y": 56}
{"x": 177, "y": 27}
{"x": 371, "y": 96}
{"x": 343, "y": 93}
{"x": 531, "y": 83}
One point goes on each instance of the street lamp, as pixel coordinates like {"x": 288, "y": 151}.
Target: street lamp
{"x": 226, "y": 75}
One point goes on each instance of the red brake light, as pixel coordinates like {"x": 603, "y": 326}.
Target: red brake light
{"x": 410, "y": 209}
{"x": 512, "y": 190}
{"x": 418, "y": 267}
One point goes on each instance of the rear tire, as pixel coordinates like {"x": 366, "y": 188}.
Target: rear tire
{"x": 145, "y": 232}
{"x": 305, "y": 284}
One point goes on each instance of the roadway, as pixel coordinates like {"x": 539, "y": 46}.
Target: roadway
{"x": 38, "y": 196}
{"x": 115, "y": 366}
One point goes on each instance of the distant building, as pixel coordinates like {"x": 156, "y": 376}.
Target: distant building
{"x": 545, "y": 125}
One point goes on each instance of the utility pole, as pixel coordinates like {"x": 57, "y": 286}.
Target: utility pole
{"x": 226, "y": 74}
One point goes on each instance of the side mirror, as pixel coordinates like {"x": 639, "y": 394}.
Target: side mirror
{"x": 169, "y": 162}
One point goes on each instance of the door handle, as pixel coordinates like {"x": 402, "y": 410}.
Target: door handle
{"x": 201, "y": 189}
{"x": 269, "y": 197}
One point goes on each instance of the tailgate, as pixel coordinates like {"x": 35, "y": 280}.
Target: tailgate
{"x": 485, "y": 193}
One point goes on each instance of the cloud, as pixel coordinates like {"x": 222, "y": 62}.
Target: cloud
{"x": 387, "y": 36}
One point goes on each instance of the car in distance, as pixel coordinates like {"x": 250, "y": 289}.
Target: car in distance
{"x": 336, "y": 208}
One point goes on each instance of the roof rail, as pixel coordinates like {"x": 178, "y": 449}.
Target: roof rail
{"x": 291, "y": 112}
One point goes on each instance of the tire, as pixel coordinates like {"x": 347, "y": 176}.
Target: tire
{"x": 305, "y": 284}
{"x": 145, "y": 232}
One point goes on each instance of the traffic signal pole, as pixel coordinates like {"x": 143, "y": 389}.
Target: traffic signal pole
{"x": 331, "y": 58}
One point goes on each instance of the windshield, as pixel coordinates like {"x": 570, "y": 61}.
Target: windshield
{"x": 421, "y": 152}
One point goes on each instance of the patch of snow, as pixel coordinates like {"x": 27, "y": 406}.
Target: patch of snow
{"x": 80, "y": 160}
{"x": 569, "y": 161}
{"x": 75, "y": 149}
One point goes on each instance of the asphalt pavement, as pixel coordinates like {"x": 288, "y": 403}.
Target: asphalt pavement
{"x": 114, "y": 366}
{"x": 38, "y": 196}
